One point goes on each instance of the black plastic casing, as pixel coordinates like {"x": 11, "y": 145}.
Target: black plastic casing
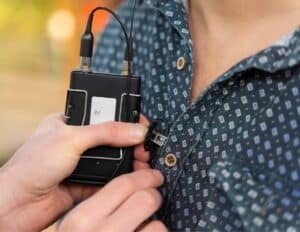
{"x": 101, "y": 164}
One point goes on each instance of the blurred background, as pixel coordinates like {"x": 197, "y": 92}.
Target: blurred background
{"x": 39, "y": 46}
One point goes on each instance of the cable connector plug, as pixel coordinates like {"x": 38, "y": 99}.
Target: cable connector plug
{"x": 86, "y": 46}
{"x": 87, "y": 43}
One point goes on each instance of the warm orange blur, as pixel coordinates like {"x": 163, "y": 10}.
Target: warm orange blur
{"x": 38, "y": 48}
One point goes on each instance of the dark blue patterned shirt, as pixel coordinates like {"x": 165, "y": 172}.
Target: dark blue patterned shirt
{"x": 232, "y": 158}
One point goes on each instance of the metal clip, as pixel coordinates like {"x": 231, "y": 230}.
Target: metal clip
{"x": 154, "y": 139}
{"x": 158, "y": 138}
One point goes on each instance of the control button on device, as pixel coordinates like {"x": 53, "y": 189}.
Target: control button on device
{"x": 135, "y": 115}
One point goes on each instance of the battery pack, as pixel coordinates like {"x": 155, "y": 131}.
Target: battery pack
{"x": 94, "y": 98}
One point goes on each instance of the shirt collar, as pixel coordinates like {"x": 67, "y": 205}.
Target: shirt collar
{"x": 175, "y": 11}
{"x": 185, "y": 3}
{"x": 283, "y": 54}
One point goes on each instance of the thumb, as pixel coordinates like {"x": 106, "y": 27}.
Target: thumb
{"x": 117, "y": 134}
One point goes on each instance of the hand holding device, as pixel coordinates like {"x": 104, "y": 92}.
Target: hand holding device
{"x": 30, "y": 181}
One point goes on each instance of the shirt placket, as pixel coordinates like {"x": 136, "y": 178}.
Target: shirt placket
{"x": 185, "y": 134}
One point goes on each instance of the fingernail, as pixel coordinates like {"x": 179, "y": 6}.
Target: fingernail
{"x": 139, "y": 132}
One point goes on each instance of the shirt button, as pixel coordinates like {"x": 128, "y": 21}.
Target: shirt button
{"x": 170, "y": 160}
{"x": 181, "y": 62}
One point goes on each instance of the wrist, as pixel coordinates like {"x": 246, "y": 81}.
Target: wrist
{"x": 6, "y": 193}
{"x": 9, "y": 192}
{"x": 14, "y": 200}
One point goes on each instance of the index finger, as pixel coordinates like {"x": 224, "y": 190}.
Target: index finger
{"x": 119, "y": 190}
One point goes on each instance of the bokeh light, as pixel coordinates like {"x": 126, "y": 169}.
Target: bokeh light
{"x": 39, "y": 44}
{"x": 61, "y": 25}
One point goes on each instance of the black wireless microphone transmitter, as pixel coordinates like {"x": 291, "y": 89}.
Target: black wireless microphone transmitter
{"x": 97, "y": 97}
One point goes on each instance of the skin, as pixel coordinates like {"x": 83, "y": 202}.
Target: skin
{"x": 226, "y": 32}
{"x": 33, "y": 191}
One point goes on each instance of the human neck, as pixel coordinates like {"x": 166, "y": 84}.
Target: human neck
{"x": 226, "y": 31}
{"x": 213, "y": 15}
